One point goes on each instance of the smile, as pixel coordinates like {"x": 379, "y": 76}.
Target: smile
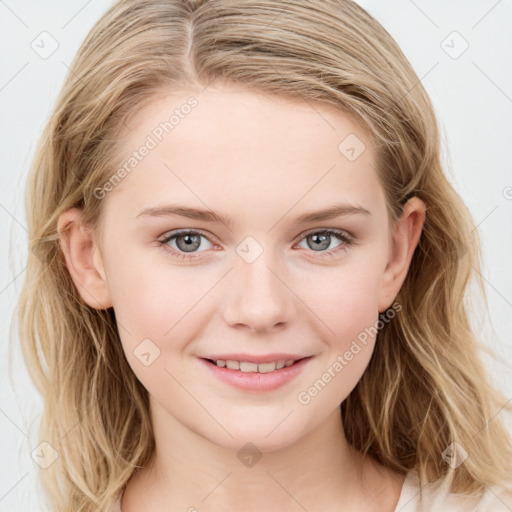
{"x": 255, "y": 377}
{"x": 245, "y": 366}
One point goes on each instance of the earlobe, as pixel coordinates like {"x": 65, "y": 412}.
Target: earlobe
{"x": 83, "y": 259}
{"x": 404, "y": 241}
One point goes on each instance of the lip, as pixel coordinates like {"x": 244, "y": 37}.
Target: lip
{"x": 255, "y": 381}
{"x": 267, "y": 358}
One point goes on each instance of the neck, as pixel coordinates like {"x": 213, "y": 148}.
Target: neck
{"x": 318, "y": 471}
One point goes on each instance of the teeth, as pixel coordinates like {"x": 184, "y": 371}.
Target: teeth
{"x": 247, "y": 367}
{"x": 233, "y": 365}
{"x": 266, "y": 367}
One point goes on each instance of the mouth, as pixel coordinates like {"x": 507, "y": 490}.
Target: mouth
{"x": 251, "y": 367}
{"x": 257, "y": 377}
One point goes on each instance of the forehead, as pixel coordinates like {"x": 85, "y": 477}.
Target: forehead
{"x": 238, "y": 146}
{"x": 231, "y": 114}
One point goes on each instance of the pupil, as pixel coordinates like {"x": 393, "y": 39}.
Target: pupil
{"x": 319, "y": 240}
{"x": 191, "y": 242}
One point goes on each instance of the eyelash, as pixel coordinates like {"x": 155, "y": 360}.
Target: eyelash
{"x": 340, "y": 235}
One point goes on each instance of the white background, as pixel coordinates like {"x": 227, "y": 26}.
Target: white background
{"x": 472, "y": 95}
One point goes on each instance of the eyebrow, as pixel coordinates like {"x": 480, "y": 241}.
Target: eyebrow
{"x": 331, "y": 212}
{"x": 184, "y": 211}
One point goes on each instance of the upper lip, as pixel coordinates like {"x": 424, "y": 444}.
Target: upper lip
{"x": 267, "y": 358}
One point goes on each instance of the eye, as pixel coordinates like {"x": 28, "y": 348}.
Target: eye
{"x": 187, "y": 242}
{"x": 320, "y": 241}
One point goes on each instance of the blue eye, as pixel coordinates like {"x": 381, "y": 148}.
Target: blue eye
{"x": 189, "y": 241}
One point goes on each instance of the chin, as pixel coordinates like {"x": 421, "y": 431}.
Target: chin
{"x": 265, "y": 436}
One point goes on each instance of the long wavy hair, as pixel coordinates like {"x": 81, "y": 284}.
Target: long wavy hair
{"x": 425, "y": 386}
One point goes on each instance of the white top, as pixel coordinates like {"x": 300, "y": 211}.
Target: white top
{"x": 493, "y": 500}
{"x": 435, "y": 500}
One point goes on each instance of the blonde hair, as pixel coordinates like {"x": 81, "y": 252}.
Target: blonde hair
{"x": 425, "y": 386}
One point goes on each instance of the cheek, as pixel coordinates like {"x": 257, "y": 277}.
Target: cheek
{"x": 346, "y": 300}
{"x": 156, "y": 315}
{"x": 154, "y": 300}
{"x": 159, "y": 310}
{"x": 346, "y": 306}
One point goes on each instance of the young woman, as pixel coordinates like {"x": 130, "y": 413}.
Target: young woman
{"x": 247, "y": 280}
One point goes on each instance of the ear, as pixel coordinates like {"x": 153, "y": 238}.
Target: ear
{"x": 83, "y": 259}
{"x": 403, "y": 242}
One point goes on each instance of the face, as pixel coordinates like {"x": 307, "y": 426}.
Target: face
{"x": 258, "y": 281}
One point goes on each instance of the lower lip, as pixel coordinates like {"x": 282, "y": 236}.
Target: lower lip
{"x": 255, "y": 381}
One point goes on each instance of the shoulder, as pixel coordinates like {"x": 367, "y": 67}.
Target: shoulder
{"x": 433, "y": 499}
{"x": 493, "y": 500}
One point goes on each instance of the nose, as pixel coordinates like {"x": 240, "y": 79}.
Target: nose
{"x": 258, "y": 297}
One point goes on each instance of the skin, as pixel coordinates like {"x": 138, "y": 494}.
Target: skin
{"x": 261, "y": 161}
